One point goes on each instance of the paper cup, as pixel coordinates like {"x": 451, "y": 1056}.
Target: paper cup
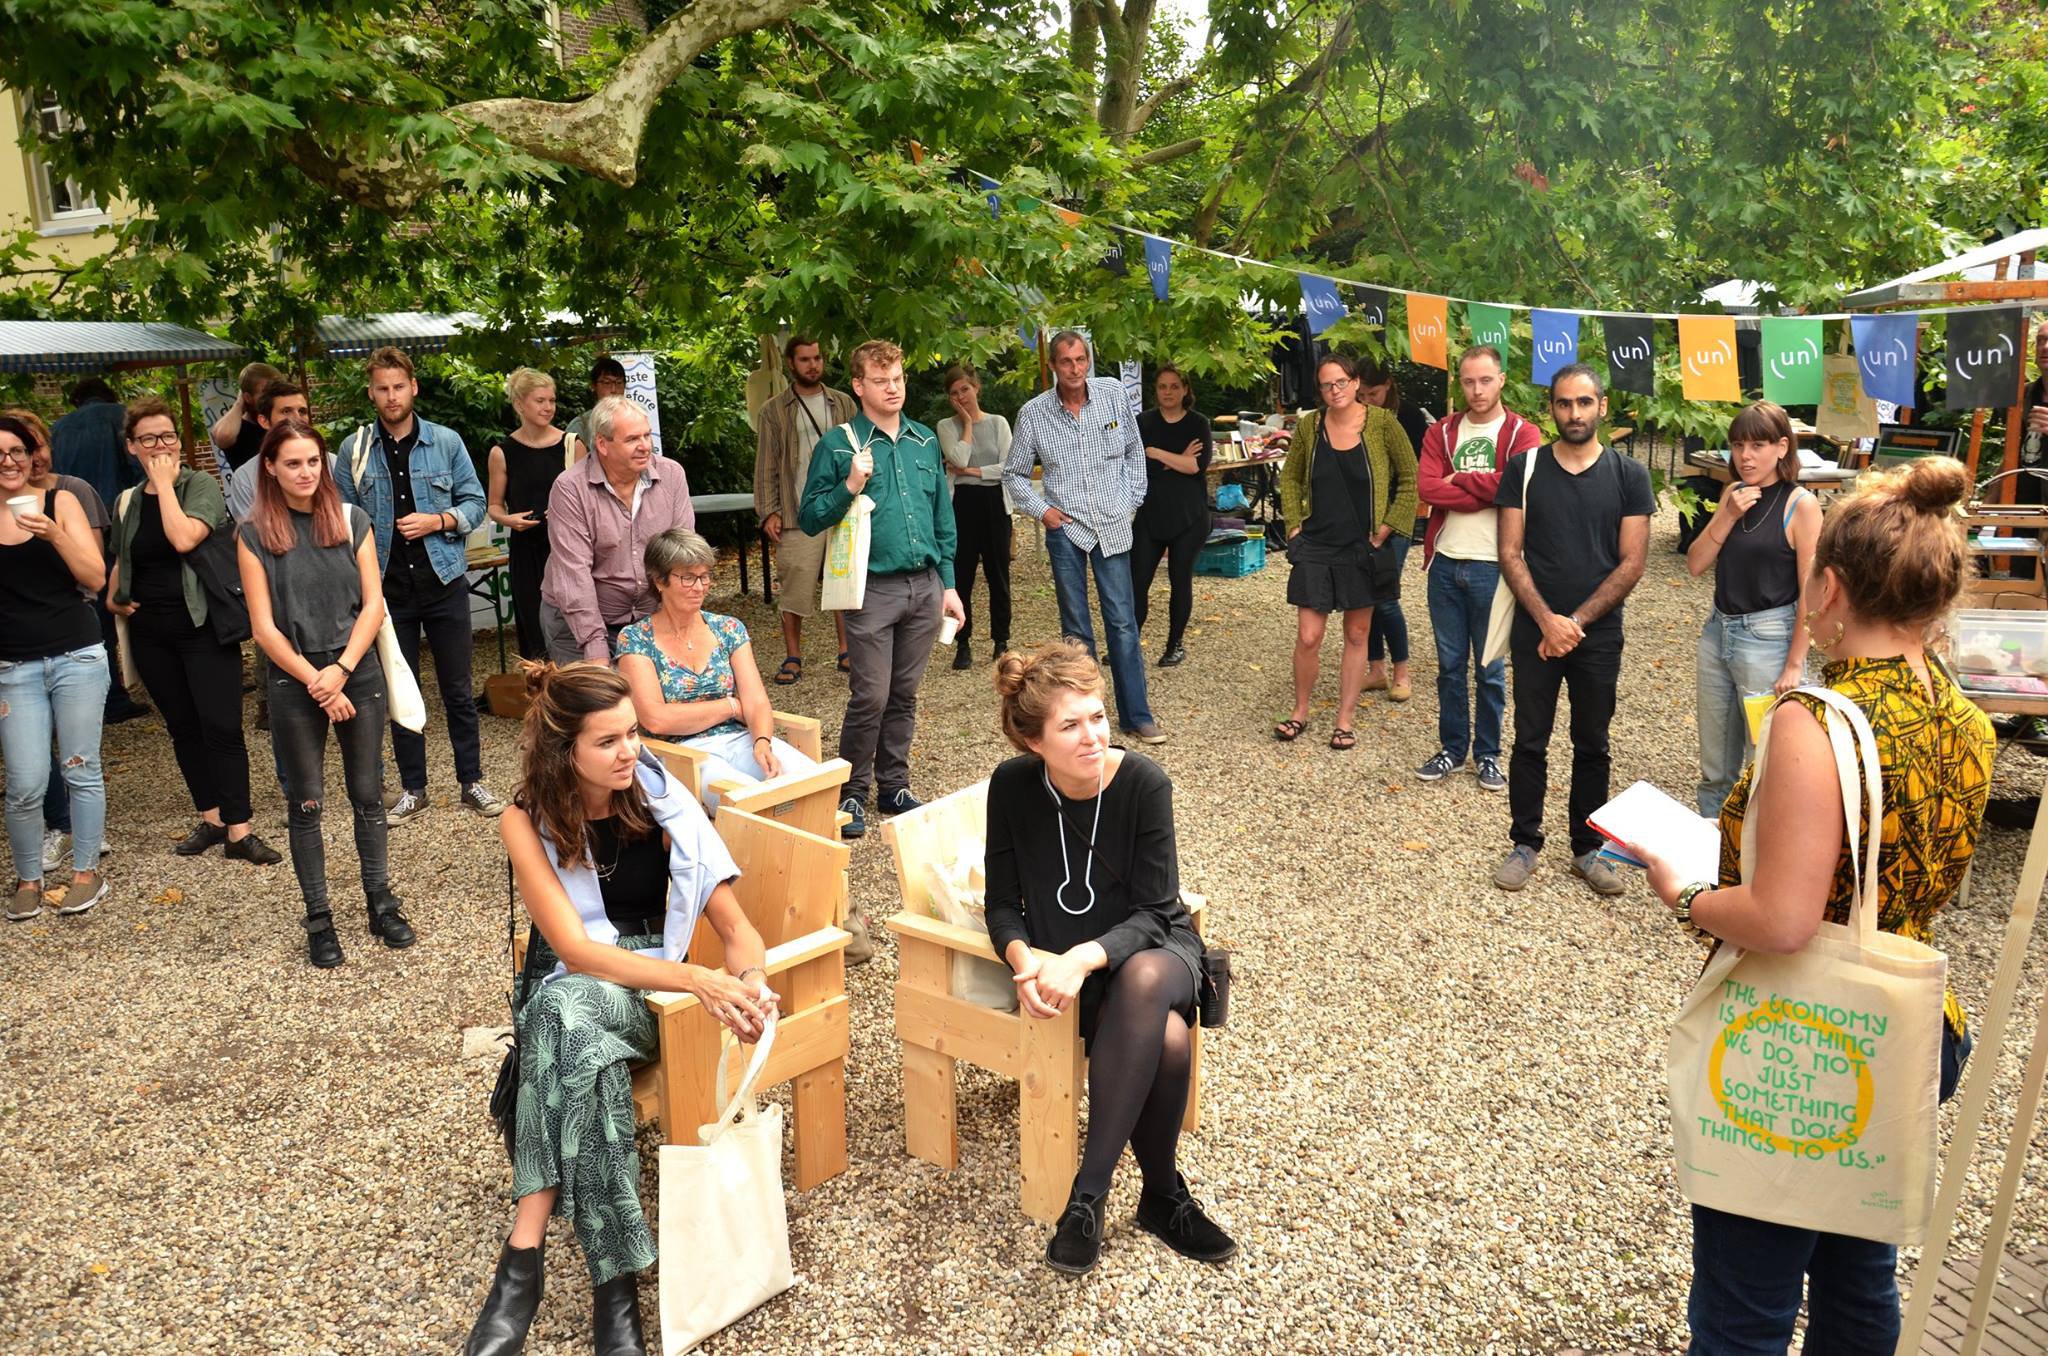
{"x": 26, "y": 503}
{"x": 1754, "y": 706}
{"x": 949, "y": 627}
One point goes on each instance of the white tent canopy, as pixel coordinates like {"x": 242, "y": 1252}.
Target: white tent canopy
{"x": 1972, "y": 265}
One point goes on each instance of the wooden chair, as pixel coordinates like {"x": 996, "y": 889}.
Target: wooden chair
{"x": 789, "y": 886}
{"x": 937, "y": 1030}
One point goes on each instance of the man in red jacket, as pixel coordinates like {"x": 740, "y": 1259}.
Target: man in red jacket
{"x": 1459, "y": 470}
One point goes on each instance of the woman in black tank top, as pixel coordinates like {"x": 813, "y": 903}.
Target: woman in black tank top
{"x": 53, "y": 676}
{"x": 522, "y": 469}
{"x": 1760, "y": 545}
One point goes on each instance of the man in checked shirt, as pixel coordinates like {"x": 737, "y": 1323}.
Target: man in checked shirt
{"x": 1085, "y": 434}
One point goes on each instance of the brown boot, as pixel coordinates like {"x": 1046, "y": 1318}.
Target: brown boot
{"x": 862, "y": 948}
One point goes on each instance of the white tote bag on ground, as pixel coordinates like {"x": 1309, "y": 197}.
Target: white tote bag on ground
{"x": 724, "y": 1230}
{"x": 1803, "y": 1087}
{"x": 1503, "y": 614}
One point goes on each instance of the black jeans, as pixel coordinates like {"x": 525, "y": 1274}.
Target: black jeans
{"x": 1180, "y": 551}
{"x": 196, "y": 682}
{"x": 528, "y": 561}
{"x": 1593, "y": 671}
{"x": 298, "y": 731}
{"x": 984, "y": 527}
{"x": 444, "y": 615}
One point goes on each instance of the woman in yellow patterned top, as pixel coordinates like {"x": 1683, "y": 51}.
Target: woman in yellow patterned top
{"x": 1890, "y": 563}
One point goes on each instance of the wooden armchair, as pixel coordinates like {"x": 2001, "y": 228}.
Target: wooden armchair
{"x": 937, "y": 1030}
{"x": 790, "y": 885}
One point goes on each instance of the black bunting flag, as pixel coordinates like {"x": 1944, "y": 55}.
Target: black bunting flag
{"x": 1983, "y": 359}
{"x": 1113, "y": 258}
{"x": 1631, "y": 353}
{"x": 1372, "y": 305}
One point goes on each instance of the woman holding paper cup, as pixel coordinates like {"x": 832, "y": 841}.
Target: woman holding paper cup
{"x": 1122, "y": 945}
{"x": 1889, "y": 563}
{"x": 1759, "y": 544}
{"x": 692, "y": 672}
{"x": 615, "y": 863}
{"x": 53, "y": 677}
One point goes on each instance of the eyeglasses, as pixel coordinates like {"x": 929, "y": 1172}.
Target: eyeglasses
{"x": 1336, "y": 385}
{"x": 22, "y": 455}
{"x": 155, "y": 440}
{"x": 690, "y": 581}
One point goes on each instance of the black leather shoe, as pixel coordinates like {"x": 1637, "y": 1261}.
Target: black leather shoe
{"x": 509, "y": 1309}
{"x": 963, "y": 655}
{"x": 1175, "y": 656}
{"x": 1077, "y": 1242}
{"x": 251, "y": 849}
{"x": 387, "y": 924}
{"x": 202, "y": 837}
{"x": 323, "y": 948}
{"x": 1175, "y": 1217}
{"x": 615, "y": 1318}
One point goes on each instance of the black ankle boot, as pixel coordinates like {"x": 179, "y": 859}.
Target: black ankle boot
{"x": 1077, "y": 1243}
{"x": 1175, "y": 1217}
{"x": 615, "y": 1317}
{"x": 388, "y": 924}
{"x": 323, "y": 948}
{"x": 963, "y": 654}
{"x": 509, "y": 1309}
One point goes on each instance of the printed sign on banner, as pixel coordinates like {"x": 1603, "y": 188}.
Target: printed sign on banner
{"x": 1133, "y": 374}
{"x": 640, "y": 390}
{"x": 1372, "y": 306}
{"x": 1428, "y": 330}
{"x": 1112, "y": 260}
{"x": 1555, "y": 344}
{"x": 215, "y": 395}
{"x": 1489, "y": 325}
{"x": 1983, "y": 358}
{"x": 1158, "y": 264}
{"x": 1319, "y": 298}
{"x": 1706, "y": 349}
{"x": 1792, "y": 360}
{"x": 1887, "y": 349}
{"x": 1631, "y": 353}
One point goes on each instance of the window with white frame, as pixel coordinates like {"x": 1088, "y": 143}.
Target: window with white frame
{"x": 59, "y": 201}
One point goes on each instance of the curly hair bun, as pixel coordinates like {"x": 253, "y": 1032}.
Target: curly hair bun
{"x": 1935, "y": 484}
{"x": 1009, "y": 673}
{"x": 536, "y": 672}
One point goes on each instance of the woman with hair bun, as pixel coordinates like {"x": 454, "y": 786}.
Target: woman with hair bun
{"x": 1890, "y": 563}
{"x": 1122, "y": 945}
{"x": 616, "y": 863}
{"x": 521, "y": 472}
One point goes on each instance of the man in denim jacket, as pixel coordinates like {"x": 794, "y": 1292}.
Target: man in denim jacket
{"x": 417, "y": 483}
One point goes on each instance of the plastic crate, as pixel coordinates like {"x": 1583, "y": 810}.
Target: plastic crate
{"x": 1232, "y": 559}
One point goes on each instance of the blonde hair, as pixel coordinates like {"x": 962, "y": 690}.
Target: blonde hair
{"x": 1896, "y": 543}
{"x": 875, "y": 353}
{"x": 1030, "y": 684}
{"x": 524, "y": 381}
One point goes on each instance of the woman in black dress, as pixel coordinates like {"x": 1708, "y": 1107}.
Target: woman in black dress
{"x": 522, "y": 470}
{"x": 1174, "y": 519}
{"x": 1109, "y": 932}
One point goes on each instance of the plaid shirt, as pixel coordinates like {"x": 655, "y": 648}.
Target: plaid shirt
{"x": 1094, "y": 464}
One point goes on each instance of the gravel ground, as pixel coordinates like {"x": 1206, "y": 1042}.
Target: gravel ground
{"x": 1436, "y": 1122}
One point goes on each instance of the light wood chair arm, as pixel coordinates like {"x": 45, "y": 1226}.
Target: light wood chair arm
{"x": 788, "y": 956}
{"x": 802, "y": 733}
{"x": 686, "y": 762}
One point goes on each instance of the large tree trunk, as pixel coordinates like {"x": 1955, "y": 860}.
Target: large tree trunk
{"x": 1125, "y": 39}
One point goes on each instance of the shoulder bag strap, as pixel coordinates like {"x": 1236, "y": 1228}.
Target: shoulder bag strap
{"x": 568, "y": 450}
{"x": 359, "y": 457}
{"x": 812, "y": 419}
{"x": 1844, "y": 722}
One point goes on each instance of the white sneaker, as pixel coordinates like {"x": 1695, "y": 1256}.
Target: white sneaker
{"x": 56, "y": 847}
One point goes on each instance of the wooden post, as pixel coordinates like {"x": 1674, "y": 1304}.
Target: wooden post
{"x": 690, "y": 1049}
{"x": 1048, "y": 1112}
{"x": 931, "y": 1126}
{"x": 818, "y": 1095}
{"x": 1977, "y": 416}
{"x": 2008, "y": 1184}
{"x": 2014, "y": 417}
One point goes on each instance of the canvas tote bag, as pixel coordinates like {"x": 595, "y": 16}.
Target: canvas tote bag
{"x": 724, "y": 1229}
{"x": 1503, "y": 614}
{"x": 845, "y": 584}
{"x": 401, "y": 689}
{"x": 1803, "y": 1088}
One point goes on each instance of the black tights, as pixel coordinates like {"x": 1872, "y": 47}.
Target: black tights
{"x": 1138, "y": 1071}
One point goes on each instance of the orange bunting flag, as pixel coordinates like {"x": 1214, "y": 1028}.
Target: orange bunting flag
{"x": 1428, "y": 330}
{"x": 916, "y": 153}
{"x": 1068, "y": 215}
{"x": 1706, "y": 351}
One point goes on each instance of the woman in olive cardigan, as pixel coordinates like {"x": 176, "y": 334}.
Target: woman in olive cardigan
{"x": 1347, "y": 489}
{"x": 194, "y": 679}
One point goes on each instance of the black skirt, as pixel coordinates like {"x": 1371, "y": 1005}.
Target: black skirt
{"x": 1331, "y": 587}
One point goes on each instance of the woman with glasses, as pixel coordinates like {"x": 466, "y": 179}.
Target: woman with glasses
{"x": 53, "y": 676}
{"x": 194, "y": 678}
{"x": 693, "y": 676}
{"x": 1347, "y": 490}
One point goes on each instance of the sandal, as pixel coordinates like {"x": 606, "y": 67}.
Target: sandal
{"x": 1341, "y": 738}
{"x": 1287, "y": 731}
{"x": 845, "y": 664}
{"x": 791, "y": 670}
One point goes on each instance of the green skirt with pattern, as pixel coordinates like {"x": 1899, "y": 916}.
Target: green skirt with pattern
{"x": 579, "y": 1037}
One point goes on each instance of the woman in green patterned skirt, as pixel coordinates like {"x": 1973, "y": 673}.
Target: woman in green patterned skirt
{"x": 616, "y": 863}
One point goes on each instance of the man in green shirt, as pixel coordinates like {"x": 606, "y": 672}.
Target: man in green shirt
{"x": 895, "y": 461}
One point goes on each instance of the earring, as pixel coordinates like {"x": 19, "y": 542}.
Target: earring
{"x": 1824, "y": 646}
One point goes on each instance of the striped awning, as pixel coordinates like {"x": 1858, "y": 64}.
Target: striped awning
{"x": 105, "y": 345}
{"x": 343, "y": 336}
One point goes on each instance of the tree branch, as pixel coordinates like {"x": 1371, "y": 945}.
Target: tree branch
{"x": 1159, "y": 155}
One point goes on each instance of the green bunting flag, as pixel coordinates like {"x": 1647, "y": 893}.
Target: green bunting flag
{"x": 1792, "y": 360}
{"x": 1489, "y": 325}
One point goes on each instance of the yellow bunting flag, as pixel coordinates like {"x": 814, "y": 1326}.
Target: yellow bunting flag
{"x": 1706, "y": 349}
{"x": 1428, "y": 330}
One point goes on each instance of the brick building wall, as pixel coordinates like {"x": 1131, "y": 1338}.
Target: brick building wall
{"x": 576, "y": 28}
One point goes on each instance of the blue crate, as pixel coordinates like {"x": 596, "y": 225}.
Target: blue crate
{"x": 1233, "y": 558}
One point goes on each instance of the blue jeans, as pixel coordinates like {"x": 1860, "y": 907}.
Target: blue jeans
{"x": 64, "y": 698}
{"x": 1119, "y": 617}
{"x": 1737, "y": 655}
{"x": 1460, "y": 600}
{"x": 1389, "y": 622}
{"x": 1747, "y": 1277}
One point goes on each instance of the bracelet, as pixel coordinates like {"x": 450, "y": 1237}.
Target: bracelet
{"x": 344, "y": 668}
{"x": 764, "y": 739}
{"x": 1683, "y": 910}
{"x": 752, "y": 970}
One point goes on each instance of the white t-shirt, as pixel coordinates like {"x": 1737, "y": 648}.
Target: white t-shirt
{"x": 1474, "y": 535}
